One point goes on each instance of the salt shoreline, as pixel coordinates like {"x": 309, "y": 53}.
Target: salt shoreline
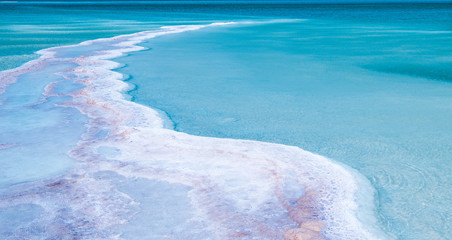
{"x": 264, "y": 190}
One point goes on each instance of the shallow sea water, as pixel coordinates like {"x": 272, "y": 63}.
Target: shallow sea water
{"x": 365, "y": 85}
{"x": 374, "y": 96}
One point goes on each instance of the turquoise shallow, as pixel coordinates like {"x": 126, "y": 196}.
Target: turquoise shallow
{"x": 91, "y": 153}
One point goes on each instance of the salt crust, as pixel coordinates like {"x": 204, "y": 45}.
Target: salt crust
{"x": 240, "y": 189}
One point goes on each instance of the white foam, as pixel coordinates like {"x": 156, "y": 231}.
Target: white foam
{"x": 239, "y": 188}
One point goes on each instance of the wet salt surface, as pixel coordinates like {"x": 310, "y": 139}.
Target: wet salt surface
{"x": 132, "y": 178}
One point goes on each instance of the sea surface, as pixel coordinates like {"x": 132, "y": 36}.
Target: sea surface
{"x": 225, "y": 120}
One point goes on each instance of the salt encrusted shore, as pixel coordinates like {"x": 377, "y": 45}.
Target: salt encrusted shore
{"x": 239, "y": 189}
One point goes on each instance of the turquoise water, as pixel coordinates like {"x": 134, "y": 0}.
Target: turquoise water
{"x": 375, "y": 96}
{"x": 365, "y": 85}
{"x": 27, "y": 27}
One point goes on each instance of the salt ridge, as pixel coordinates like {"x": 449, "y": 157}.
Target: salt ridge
{"x": 239, "y": 188}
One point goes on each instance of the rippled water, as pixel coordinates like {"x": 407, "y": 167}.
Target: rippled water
{"x": 375, "y": 96}
{"x": 365, "y": 85}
